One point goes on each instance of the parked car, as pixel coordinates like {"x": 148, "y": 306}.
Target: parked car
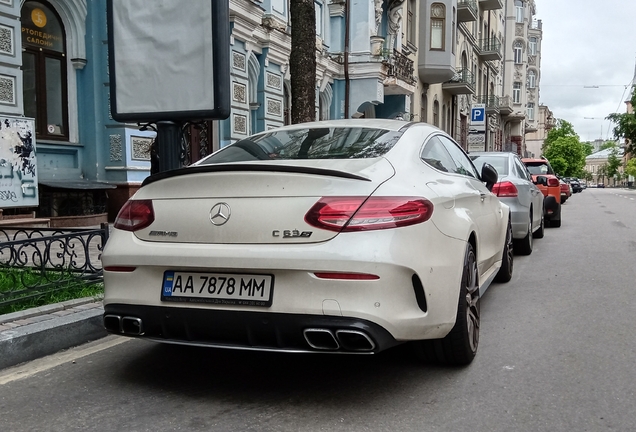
{"x": 345, "y": 236}
{"x": 576, "y": 186}
{"x": 566, "y": 191}
{"x": 515, "y": 188}
{"x": 600, "y": 185}
{"x": 546, "y": 180}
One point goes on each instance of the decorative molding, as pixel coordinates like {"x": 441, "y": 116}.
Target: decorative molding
{"x": 141, "y": 147}
{"x": 274, "y": 81}
{"x": 519, "y": 29}
{"x": 239, "y": 61}
{"x": 7, "y": 90}
{"x": 239, "y": 124}
{"x": 116, "y": 148}
{"x": 239, "y": 92}
{"x": 274, "y": 107}
{"x": 6, "y": 40}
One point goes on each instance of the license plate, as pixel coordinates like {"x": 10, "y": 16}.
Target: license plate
{"x": 218, "y": 288}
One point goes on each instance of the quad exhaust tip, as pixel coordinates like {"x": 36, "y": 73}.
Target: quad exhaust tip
{"x": 345, "y": 339}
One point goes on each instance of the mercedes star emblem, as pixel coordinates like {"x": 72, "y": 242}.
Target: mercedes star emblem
{"x": 220, "y": 214}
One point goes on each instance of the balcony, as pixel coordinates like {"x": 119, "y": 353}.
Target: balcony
{"x": 490, "y": 4}
{"x": 490, "y": 49}
{"x": 463, "y": 82}
{"x": 505, "y": 105}
{"x": 399, "y": 75}
{"x": 467, "y": 10}
{"x": 491, "y": 102}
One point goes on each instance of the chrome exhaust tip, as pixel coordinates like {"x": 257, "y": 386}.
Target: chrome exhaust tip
{"x": 132, "y": 326}
{"x": 112, "y": 323}
{"x": 321, "y": 339}
{"x": 355, "y": 340}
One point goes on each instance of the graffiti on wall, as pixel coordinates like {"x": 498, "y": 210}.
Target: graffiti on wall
{"x": 18, "y": 167}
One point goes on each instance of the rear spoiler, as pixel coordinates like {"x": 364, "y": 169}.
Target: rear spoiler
{"x": 198, "y": 169}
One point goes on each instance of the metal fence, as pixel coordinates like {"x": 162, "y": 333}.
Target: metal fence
{"x": 36, "y": 261}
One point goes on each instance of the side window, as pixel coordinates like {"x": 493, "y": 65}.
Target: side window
{"x": 463, "y": 164}
{"x": 523, "y": 171}
{"x": 436, "y": 156}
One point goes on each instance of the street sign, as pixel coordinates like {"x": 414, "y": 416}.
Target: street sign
{"x": 476, "y": 142}
{"x": 478, "y": 118}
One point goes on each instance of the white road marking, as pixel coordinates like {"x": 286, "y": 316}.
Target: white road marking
{"x": 31, "y": 368}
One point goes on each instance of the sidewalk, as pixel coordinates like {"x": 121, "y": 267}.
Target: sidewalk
{"x": 45, "y": 330}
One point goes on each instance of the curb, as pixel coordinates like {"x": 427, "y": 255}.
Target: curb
{"x": 38, "y": 332}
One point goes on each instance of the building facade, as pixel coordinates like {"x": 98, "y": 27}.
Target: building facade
{"x": 419, "y": 60}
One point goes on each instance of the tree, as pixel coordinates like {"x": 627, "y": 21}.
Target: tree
{"x": 563, "y": 129}
{"x": 613, "y": 162}
{"x": 302, "y": 61}
{"x": 566, "y": 155}
{"x": 630, "y": 168}
{"x": 607, "y": 145}
{"x": 626, "y": 126}
{"x": 588, "y": 148}
{"x": 601, "y": 173}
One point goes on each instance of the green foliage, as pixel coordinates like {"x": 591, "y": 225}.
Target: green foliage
{"x": 566, "y": 155}
{"x": 613, "y": 162}
{"x": 630, "y": 168}
{"x": 588, "y": 148}
{"x": 563, "y": 129}
{"x": 588, "y": 176}
{"x": 625, "y": 126}
{"x": 608, "y": 144}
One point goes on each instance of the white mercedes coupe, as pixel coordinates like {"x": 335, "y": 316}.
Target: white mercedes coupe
{"x": 345, "y": 236}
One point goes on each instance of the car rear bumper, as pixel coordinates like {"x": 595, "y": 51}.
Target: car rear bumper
{"x": 248, "y": 330}
{"x": 551, "y": 207}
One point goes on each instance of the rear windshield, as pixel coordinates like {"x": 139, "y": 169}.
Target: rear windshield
{"x": 500, "y": 163}
{"x": 320, "y": 143}
{"x": 538, "y": 168}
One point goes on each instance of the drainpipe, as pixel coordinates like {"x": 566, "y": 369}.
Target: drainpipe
{"x": 346, "y": 60}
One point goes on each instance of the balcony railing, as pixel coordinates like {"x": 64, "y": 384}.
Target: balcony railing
{"x": 401, "y": 67}
{"x": 491, "y": 102}
{"x": 467, "y": 10}
{"x": 490, "y": 49}
{"x": 463, "y": 82}
{"x": 505, "y": 105}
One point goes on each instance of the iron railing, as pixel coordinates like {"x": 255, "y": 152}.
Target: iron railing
{"x": 491, "y": 102}
{"x": 401, "y": 67}
{"x": 36, "y": 261}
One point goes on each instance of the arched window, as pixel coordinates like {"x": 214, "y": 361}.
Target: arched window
{"x": 438, "y": 24}
{"x": 44, "y": 70}
{"x": 436, "y": 113}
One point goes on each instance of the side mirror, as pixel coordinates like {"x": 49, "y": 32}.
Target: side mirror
{"x": 489, "y": 175}
{"x": 541, "y": 180}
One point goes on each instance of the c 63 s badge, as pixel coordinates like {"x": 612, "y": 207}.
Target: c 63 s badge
{"x": 291, "y": 233}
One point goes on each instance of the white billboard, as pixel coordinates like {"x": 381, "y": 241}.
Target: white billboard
{"x": 169, "y": 59}
{"x": 18, "y": 164}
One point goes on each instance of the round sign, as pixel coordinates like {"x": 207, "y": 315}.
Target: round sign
{"x": 38, "y": 17}
{"x": 51, "y": 128}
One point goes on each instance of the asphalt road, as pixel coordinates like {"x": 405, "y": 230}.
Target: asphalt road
{"x": 557, "y": 353}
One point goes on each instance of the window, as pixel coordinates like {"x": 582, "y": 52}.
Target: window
{"x": 532, "y": 46}
{"x": 438, "y": 22}
{"x": 319, "y": 25}
{"x": 454, "y": 33}
{"x": 516, "y": 92}
{"x": 410, "y": 22}
{"x": 531, "y": 111}
{"x": 424, "y": 108}
{"x": 437, "y": 156}
{"x": 518, "y": 52}
{"x": 519, "y": 11}
{"x": 44, "y": 70}
{"x": 436, "y": 113}
{"x": 462, "y": 162}
{"x": 532, "y": 79}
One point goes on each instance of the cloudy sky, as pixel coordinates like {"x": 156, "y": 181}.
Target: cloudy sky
{"x": 587, "y": 43}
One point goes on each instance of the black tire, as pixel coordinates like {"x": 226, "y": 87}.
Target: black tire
{"x": 458, "y": 348}
{"x": 541, "y": 231}
{"x": 524, "y": 246}
{"x": 505, "y": 272}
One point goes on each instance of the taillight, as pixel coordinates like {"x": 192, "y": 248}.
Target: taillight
{"x": 552, "y": 182}
{"x": 505, "y": 189}
{"x": 135, "y": 215}
{"x": 346, "y": 276}
{"x": 344, "y": 214}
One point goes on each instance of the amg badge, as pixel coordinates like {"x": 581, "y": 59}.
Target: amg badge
{"x": 291, "y": 233}
{"x": 163, "y": 233}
